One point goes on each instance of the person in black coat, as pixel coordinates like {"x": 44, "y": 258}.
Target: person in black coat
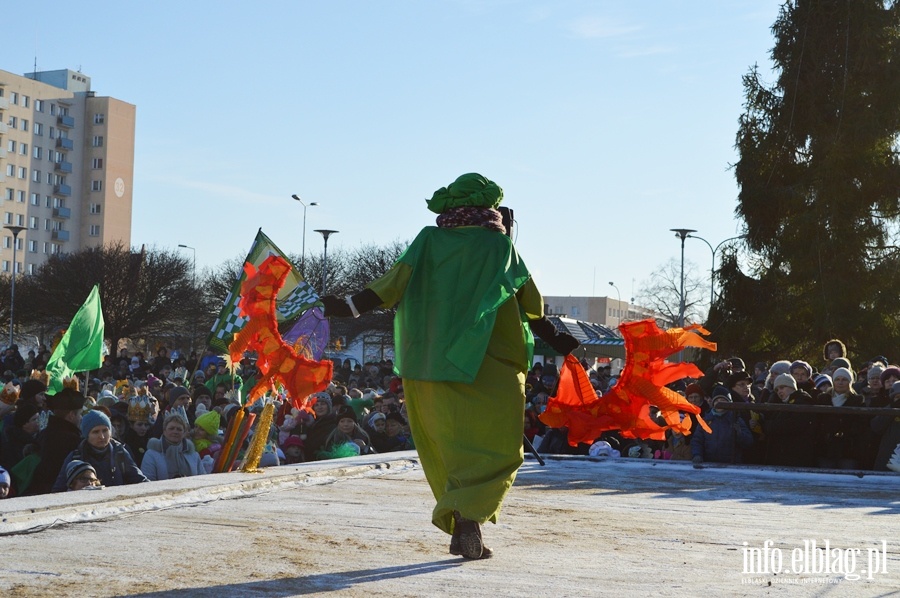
{"x": 729, "y": 438}
{"x": 790, "y": 437}
{"x": 61, "y": 436}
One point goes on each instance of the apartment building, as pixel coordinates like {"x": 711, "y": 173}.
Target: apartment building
{"x": 66, "y": 167}
{"x": 600, "y": 310}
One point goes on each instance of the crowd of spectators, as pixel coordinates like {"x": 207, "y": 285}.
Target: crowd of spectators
{"x": 136, "y": 420}
{"x": 837, "y": 438}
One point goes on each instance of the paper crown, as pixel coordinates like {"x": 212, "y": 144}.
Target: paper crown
{"x": 71, "y": 382}
{"x": 42, "y": 376}
{"x": 10, "y": 394}
{"x": 139, "y": 406}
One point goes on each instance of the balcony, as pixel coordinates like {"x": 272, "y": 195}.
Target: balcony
{"x": 4, "y": 128}
{"x": 64, "y": 143}
{"x": 66, "y": 122}
{"x": 4, "y": 103}
{"x": 60, "y": 235}
{"x": 62, "y": 190}
{"x": 62, "y": 213}
{"x": 64, "y": 167}
{"x": 2, "y": 152}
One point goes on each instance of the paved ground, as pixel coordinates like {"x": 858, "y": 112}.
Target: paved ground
{"x": 576, "y": 527}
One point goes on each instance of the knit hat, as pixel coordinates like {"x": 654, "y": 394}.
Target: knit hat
{"x": 785, "y": 380}
{"x": 176, "y": 393}
{"x": 396, "y": 417}
{"x": 737, "y": 363}
{"x": 92, "y": 419}
{"x": 801, "y": 364}
{"x": 209, "y": 422}
{"x": 780, "y": 367}
{"x": 292, "y": 441}
{"x": 75, "y": 468}
{"x": 721, "y": 391}
{"x": 823, "y": 379}
{"x": 323, "y": 397}
{"x": 25, "y": 410}
{"x": 345, "y": 412}
{"x": 32, "y": 387}
{"x": 694, "y": 389}
{"x": 472, "y": 190}
{"x": 375, "y": 417}
{"x": 874, "y": 372}
{"x": 844, "y": 373}
{"x": 890, "y": 371}
{"x": 66, "y": 399}
{"x": 841, "y": 362}
{"x": 4, "y": 477}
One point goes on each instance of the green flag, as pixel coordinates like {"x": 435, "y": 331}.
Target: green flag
{"x": 81, "y": 347}
{"x": 295, "y": 297}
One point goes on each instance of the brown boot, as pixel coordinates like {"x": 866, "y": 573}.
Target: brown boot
{"x": 466, "y": 540}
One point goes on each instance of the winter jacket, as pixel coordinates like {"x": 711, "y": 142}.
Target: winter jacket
{"x": 154, "y": 463}
{"x": 730, "y": 435}
{"x": 114, "y": 465}
{"x": 58, "y": 439}
{"x": 791, "y": 437}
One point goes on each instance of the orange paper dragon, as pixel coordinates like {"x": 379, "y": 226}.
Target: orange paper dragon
{"x": 276, "y": 359}
{"x": 627, "y": 405}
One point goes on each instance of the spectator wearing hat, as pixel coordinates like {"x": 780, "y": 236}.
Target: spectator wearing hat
{"x": 19, "y": 437}
{"x": 739, "y": 384}
{"x": 5, "y": 483}
{"x": 790, "y": 436}
{"x": 729, "y": 435}
{"x": 222, "y": 375}
{"x": 839, "y": 439}
{"x": 781, "y": 366}
{"x": 293, "y": 450}
{"x": 874, "y": 394}
{"x": 61, "y": 436}
{"x": 834, "y": 349}
{"x": 81, "y": 475}
{"x": 887, "y": 427}
{"x": 823, "y": 384}
{"x": 802, "y": 373}
{"x": 347, "y": 438}
{"x": 173, "y": 455}
{"x": 315, "y": 434}
{"x": 109, "y": 457}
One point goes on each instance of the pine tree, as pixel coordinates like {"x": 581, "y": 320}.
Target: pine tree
{"x": 819, "y": 179}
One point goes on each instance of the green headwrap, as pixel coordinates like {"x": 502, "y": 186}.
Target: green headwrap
{"x": 468, "y": 190}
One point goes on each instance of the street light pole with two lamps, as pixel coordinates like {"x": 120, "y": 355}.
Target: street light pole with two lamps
{"x": 15, "y": 230}
{"x": 303, "y": 249}
{"x": 619, "y": 297}
{"x": 325, "y": 234}
{"x": 712, "y": 269}
{"x": 682, "y": 233}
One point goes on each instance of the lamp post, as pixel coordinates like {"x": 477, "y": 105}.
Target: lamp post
{"x": 194, "y": 284}
{"x": 303, "y": 250}
{"x": 682, "y": 233}
{"x": 15, "y": 230}
{"x": 325, "y": 234}
{"x": 619, "y": 296}
{"x": 712, "y": 269}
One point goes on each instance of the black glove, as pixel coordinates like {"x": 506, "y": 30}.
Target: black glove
{"x": 561, "y": 342}
{"x": 335, "y": 306}
{"x": 365, "y": 300}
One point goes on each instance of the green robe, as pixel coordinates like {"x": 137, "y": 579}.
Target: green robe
{"x": 463, "y": 350}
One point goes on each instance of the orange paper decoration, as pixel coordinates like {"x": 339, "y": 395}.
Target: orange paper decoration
{"x": 627, "y": 405}
{"x": 276, "y": 359}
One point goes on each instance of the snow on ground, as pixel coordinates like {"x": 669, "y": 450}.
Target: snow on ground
{"x": 576, "y": 527}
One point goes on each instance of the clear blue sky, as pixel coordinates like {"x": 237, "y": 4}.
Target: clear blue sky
{"x": 606, "y": 123}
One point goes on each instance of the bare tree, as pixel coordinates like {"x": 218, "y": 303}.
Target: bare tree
{"x": 662, "y": 292}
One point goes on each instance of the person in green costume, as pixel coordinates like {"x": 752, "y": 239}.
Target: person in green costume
{"x": 462, "y": 347}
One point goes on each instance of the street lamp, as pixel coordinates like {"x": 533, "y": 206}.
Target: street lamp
{"x": 682, "y": 234}
{"x": 712, "y": 269}
{"x": 303, "y": 250}
{"x": 15, "y": 230}
{"x": 325, "y": 234}
{"x": 619, "y": 296}
{"x": 194, "y": 284}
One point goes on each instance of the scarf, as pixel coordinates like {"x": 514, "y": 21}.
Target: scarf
{"x": 488, "y": 218}
{"x": 176, "y": 463}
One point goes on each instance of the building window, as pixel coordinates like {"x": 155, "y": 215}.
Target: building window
{"x": 9, "y": 193}
{"x": 37, "y": 152}
{"x": 95, "y": 230}
{"x": 24, "y": 125}
{"x": 23, "y": 172}
{"x": 10, "y": 170}
{"x": 39, "y": 129}
{"x": 39, "y": 106}
{"x": 32, "y": 222}
{"x": 5, "y": 265}
{"x": 96, "y": 185}
{"x": 99, "y": 118}
{"x": 46, "y": 247}
{"x": 98, "y": 141}
{"x": 32, "y": 246}
{"x": 31, "y": 266}
{"x": 57, "y": 202}
{"x": 13, "y": 122}
{"x": 96, "y": 208}
{"x": 20, "y": 196}
{"x": 20, "y": 219}
{"x": 36, "y": 176}
{"x": 52, "y": 109}
{"x": 7, "y": 219}
{"x": 35, "y": 199}
{"x": 7, "y": 242}
{"x": 52, "y": 133}
{"x": 47, "y": 224}
{"x": 25, "y": 101}
{"x": 11, "y": 146}
{"x": 23, "y": 149}
{"x": 97, "y": 163}
{"x": 14, "y": 98}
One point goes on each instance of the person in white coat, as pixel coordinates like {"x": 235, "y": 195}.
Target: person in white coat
{"x": 173, "y": 455}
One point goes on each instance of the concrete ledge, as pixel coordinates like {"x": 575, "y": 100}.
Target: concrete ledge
{"x": 29, "y": 514}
